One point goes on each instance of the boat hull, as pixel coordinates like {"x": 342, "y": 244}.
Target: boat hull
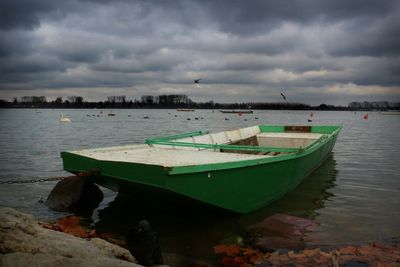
{"x": 239, "y": 189}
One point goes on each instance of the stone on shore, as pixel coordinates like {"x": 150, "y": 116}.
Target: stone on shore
{"x": 23, "y": 242}
{"x": 279, "y": 231}
{"x": 75, "y": 193}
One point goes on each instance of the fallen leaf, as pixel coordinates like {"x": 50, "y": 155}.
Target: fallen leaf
{"x": 227, "y": 261}
{"x": 348, "y": 250}
{"x": 70, "y": 225}
{"x": 250, "y": 251}
{"x": 238, "y": 260}
{"x": 228, "y": 250}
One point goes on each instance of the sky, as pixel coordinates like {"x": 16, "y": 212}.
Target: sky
{"x": 313, "y": 51}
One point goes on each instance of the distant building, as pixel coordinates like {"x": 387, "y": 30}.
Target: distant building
{"x": 394, "y": 105}
{"x": 166, "y": 99}
{"x": 377, "y": 105}
{"x": 172, "y": 99}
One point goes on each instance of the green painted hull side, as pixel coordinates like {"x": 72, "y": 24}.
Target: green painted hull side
{"x": 242, "y": 190}
{"x": 249, "y": 188}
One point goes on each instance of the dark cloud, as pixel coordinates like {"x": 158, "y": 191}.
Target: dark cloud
{"x": 258, "y": 16}
{"x": 24, "y": 13}
{"x": 246, "y": 49}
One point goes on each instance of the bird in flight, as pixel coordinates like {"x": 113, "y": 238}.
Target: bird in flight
{"x": 284, "y": 97}
{"x": 196, "y": 81}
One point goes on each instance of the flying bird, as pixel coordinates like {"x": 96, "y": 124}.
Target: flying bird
{"x": 284, "y": 97}
{"x": 196, "y": 81}
{"x": 143, "y": 244}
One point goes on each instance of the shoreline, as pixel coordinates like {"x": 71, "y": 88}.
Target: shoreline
{"x": 24, "y": 241}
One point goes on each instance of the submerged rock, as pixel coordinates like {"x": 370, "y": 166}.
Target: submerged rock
{"x": 23, "y": 242}
{"x": 279, "y": 231}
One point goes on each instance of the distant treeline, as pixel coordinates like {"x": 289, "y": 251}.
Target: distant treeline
{"x": 77, "y": 102}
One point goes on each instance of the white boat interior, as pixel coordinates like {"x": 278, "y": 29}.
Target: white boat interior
{"x": 253, "y": 136}
{"x": 171, "y": 156}
{"x": 163, "y": 156}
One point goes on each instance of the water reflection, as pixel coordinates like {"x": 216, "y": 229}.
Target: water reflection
{"x": 193, "y": 231}
{"x": 307, "y": 198}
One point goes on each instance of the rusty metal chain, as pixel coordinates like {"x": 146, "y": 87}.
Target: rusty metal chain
{"x": 29, "y": 181}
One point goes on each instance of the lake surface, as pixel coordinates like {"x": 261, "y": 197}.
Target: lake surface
{"x": 353, "y": 197}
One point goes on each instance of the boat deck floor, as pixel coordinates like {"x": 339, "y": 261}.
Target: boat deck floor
{"x": 167, "y": 157}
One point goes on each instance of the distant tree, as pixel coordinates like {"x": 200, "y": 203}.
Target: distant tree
{"x": 15, "y": 100}
{"x": 120, "y": 99}
{"x": 76, "y": 100}
{"x": 58, "y": 100}
{"x": 111, "y": 99}
{"x": 33, "y": 99}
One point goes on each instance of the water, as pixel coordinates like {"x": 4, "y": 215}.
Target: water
{"x": 353, "y": 197}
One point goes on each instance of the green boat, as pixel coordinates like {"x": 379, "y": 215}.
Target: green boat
{"x": 239, "y": 170}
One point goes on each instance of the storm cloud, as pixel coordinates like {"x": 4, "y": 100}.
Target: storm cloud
{"x": 316, "y": 51}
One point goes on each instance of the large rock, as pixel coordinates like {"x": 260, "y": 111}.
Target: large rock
{"x": 75, "y": 194}
{"x": 279, "y": 231}
{"x": 23, "y": 242}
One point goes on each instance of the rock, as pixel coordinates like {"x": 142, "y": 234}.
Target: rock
{"x": 75, "y": 193}
{"x": 23, "y": 242}
{"x": 173, "y": 259}
{"x": 283, "y": 225}
{"x": 272, "y": 243}
{"x": 279, "y": 231}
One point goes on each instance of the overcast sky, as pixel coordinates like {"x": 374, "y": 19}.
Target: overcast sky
{"x": 313, "y": 51}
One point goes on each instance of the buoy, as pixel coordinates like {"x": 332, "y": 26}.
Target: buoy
{"x": 312, "y": 114}
{"x": 366, "y": 116}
